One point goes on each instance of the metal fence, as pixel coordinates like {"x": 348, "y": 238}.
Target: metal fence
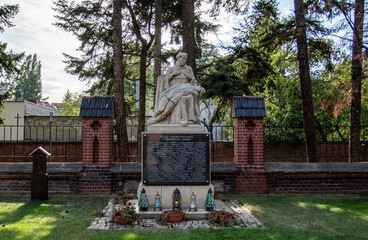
{"x": 287, "y": 144}
{"x": 281, "y": 143}
{"x": 222, "y": 147}
{"x": 63, "y": 142}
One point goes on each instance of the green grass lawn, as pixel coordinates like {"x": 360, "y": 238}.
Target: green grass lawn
{"x": 284, "y": 217}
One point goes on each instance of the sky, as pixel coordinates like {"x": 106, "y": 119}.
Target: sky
{"x": 34, "y": 33}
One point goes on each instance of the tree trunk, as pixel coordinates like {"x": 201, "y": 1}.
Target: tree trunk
{"x": 356, "y": 83}
{"x": 142, "y": 94}
{"x": 119, "y": 106}
{"x": 305, "y": 82}
{"x": 189, "y": 43}
{"x": 157, "y": 51}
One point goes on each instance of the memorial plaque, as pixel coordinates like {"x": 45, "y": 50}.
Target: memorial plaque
{"x": 174, "y": 158}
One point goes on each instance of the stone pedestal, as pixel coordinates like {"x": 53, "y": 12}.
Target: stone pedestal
{"x": 166, "y": 190}
{"x": 175, "y": 128}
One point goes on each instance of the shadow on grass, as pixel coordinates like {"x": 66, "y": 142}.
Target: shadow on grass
{"x": 284, "y": 217}
{"x": 326, "y": 216}
{"x": 28, "y": 208}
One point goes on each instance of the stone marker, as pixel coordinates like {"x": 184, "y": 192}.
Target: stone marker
{"x": 39, "y": 177}
{"x": 176, "y": 158}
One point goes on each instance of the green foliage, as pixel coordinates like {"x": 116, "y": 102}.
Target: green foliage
{"x": 221, "y": 84}
{"x": 8, "y": 60}
{"x": 27, "y": 82}
{"x": 71, "y": 104}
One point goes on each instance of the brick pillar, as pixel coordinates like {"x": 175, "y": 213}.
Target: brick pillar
{"x": 248, "y": 154}
{"x": 95, "y": 176}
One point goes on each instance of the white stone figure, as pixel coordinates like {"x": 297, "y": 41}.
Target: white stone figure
{"x": 177, "y": 95}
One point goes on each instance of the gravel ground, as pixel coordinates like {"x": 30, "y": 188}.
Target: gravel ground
{"x": 243, "y": 216}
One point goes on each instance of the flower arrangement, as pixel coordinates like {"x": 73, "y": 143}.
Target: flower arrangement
{"x": 175, "y": 215}
{"x": 223, "y": 218}
{"x": 127, "y": 210}
{"x": 126, "y": 213}
{"x": 123, "y": 196}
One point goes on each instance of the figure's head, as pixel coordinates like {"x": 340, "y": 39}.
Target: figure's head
{"x": 181, "y": 58}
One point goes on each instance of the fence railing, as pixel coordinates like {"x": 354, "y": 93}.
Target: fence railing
{"x": 63, "y": 142}
{"x": 222, "y": 147}
{"x": 287, "y": 144}
{"x": 281, "y": 143}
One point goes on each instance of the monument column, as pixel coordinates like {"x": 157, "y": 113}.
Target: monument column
{"x": 248, "y": 114}
{"x": 176, "y": 149}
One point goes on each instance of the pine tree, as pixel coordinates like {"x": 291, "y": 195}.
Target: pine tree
{"x": 8, "y": 60}
{"x": 28, "y": 83}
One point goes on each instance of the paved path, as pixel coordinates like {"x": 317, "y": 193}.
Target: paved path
{"x": 242, "y": 215}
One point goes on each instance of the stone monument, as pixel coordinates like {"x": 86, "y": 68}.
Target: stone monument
{"x": 176, "y": 149}
{"x": 39, "y": 177}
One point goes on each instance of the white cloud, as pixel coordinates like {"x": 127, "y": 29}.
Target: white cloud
{"x": 34, "y": 33}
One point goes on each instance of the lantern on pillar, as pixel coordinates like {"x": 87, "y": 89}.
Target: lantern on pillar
{"x": 158, "y": 206}
{"x": 193, "y": 203}
{"x": 176, "y": 199}
{"x": 210, "y": 201}
{"x": 143, "y": 201}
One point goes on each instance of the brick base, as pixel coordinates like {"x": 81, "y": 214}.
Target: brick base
{"x": 318, "y": 182}
{"x": 251, "y": 181}
{"x": 20, "y": 183}
{"x": 94, "y": 181}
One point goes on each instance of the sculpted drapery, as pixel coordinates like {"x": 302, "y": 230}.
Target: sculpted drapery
{"x": 177, "y": 95}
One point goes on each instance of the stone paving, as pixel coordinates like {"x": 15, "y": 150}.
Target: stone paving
{"x": 243, "y": 217}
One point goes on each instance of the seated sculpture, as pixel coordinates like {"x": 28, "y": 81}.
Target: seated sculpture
{"x": 177, "y": 95}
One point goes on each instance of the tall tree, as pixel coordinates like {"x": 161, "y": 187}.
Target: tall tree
{"x": 305, "y": 82}
{"x": 119, "y": 107}
{"x": 157, "y": 48}
{"x": 356, "y": 82}
{"x": 141, "y": 16}
{"x": 8, "y": 60}
{"x": 189, "y": 42}
{"x": 27, "y": 82}
{"x": 70, "y": 106}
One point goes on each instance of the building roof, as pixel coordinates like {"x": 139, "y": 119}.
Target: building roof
{"x": 44, "y": 104}
{"x": 97, "y": 107}
{"x": 249, "y": 107}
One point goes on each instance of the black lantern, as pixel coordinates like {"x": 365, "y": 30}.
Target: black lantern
{"x": 176, "y": 199}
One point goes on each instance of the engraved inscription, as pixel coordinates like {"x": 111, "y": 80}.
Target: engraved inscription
{"x": 176, "y": 158}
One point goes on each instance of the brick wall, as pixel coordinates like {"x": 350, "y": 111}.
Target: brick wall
{"x": 19, "y": 182}
{"x": 248, "y": 155}
{"x": 248, "y": 134}
{"x": 94, "y": 181}
{"x": 95, "y": 176}
{"x": 318, "y": 182}
{"x": 61, "y": 152}
{"x": 97, "y": 133}
{"x": 277, "y": 178}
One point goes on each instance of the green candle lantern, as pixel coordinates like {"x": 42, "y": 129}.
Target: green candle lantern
{"x": 143, "y": 201}
{"x": 210, "y": 201}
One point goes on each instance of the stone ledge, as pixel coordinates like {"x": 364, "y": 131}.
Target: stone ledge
{"x": 271, "y": 167}
{"x": 51, "y": 167}
{"x": 122, "y": 167}
{"x": 175, "y": 128}
{"x": 135, "y": 167}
